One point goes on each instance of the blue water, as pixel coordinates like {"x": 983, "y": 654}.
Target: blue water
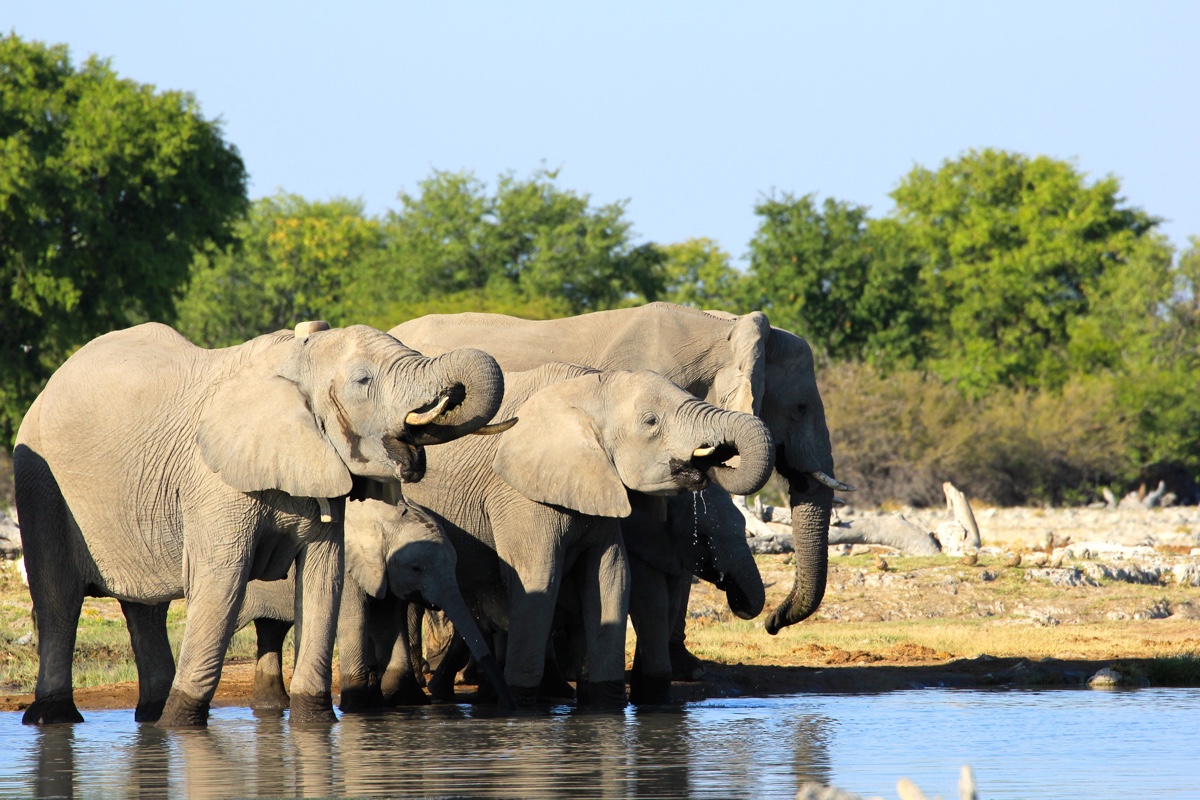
{"x": 1028, "y": 744}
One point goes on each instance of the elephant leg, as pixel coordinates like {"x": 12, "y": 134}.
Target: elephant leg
{"x": 531, "y": 616}
{"x": 399, "y": 684}
{"x": 605, "y": 615}
{"x": 441, "y": 685}
{"x": 319, "y": 574}
{"x": 649, "y": 610}
{"x": 554, "y": 683}
{"x": 684, "y": 665}
{"x": 55, "y": 586}
{"x": 214, "y": 591}
{"x": 416, "y": 642}
{"x": 152, "y": 653}
{"x": 268, "y": 692}
{"x": 356, "y": 653}
{"x": 436, "y": 635}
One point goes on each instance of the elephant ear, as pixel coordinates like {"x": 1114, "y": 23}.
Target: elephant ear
{"x": 365, "y": 559}
{"x": 553, "y": 454}
{"x": 738, "y": 386}
{"x": 258, "y": 432}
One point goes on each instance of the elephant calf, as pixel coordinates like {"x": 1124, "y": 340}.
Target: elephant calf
{"x": 544, "y": 499}
{"x": 395, "y": 556}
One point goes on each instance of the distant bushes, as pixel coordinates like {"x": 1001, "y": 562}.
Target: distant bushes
{"x": 899, "y": 436}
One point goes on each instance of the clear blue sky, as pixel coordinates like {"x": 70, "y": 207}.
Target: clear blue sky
{"x": 689, "y": 110}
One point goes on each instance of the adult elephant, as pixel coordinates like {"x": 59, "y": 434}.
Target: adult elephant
{"x": 396, "y": 555}
{"x": 544, "y": 499}
{"x": 150, "y": 469}
{"x": 736, "y": 362}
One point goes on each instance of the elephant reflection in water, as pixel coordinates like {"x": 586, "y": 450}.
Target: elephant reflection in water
{"x": 511, "y": 757}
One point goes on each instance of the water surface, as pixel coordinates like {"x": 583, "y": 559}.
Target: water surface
{"x": 1041, "y": 744}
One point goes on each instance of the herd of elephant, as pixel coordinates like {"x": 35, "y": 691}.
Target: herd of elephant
{"x": 328, "y": 478}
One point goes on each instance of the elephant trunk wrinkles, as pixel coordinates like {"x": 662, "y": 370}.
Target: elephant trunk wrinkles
{"x": 752, "y": 441}
{"x": 812, "y": 505}
{"x": 474, "y": 386}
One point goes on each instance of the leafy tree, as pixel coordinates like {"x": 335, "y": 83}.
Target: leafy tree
{"x": 530, "y": 242}
{"x": 107, "y": 189}
{"x": 1014, "y": 252}
{"x": 844, "y": 282}
{"x": 296, "y": 260}
{"x": 698, "y": 273}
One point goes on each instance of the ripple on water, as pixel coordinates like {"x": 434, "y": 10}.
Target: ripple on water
{"x": 1040, "y": 744}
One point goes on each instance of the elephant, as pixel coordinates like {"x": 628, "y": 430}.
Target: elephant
{"x": 150, "y": 469}
{"x": 735, "y": 362}
{"x": 543, "y": 500}
{"x": 395, "y": 555}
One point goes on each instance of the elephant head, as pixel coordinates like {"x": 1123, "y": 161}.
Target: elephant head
{"x": 400, "y": 549}
{"x": 303, "y": 413}
{"x": 582, "y": 443}
{"x": 792, "y": 409}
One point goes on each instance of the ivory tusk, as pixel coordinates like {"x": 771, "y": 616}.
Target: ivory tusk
{"x": 326, "y": 511}
{"x": 426, "y": 417}
{"x": 832, "y": 483}
{"x": 704, "y": 452}
{"x": 495, "y": 427}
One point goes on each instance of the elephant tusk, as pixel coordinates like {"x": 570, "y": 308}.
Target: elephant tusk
{"x": 426, "y": 417}
{"x": 704, "y": 452}
{"x": 496, "y": 427}
{"x": 326, "y": 511}
{"x": 832, "y": 483}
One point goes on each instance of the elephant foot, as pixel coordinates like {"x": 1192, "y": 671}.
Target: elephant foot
{"x": 524, "y": 695}
{"x": 402, "y": 689}
{"x": 354, "y": 699}
{"x": 149, "y": 710}
{"x": 649, "y": 690}
{"x": 602, "y": 695}
{"x": 312, "y": 709}
{"x": 684, "y": 665}
{"x": 441, "y": 686}
{"x": 52, "y": 711}
{"x": 268, "y": 693}
{"x": 183, "y": 711}
{"x": 555, "y": 687}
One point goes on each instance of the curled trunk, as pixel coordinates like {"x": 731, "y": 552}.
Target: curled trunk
{"x": 472, "y": 388}
{"x": 749, "y": 437}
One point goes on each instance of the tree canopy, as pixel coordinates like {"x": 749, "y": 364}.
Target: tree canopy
{"x": 107, "y": 189}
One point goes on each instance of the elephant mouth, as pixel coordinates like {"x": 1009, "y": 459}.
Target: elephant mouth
{"x": 408, "y": 458}
{"x": 688, "y": 476}
{"x": 693, "y": 475}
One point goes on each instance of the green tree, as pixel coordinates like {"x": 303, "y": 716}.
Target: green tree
{"x": 698, "y": 273}
{"x": 107, "y": 189}
{"x": 295, "y": 260}
{"x": 843, "y": 281}
{"x": 1015, "y": 252}
{"x": 530, "y": 242}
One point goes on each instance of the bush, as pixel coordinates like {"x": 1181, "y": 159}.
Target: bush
{"x": 899, "y": 436}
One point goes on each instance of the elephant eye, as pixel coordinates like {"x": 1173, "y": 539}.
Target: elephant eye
{"x": 650, "y": 420}
{"x": 363, "y": 380}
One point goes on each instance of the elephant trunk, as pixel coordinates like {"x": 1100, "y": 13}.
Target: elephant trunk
{"x": 729, "y": 433}
{"x": 471, "y": 388}
{"x": 812, "y": 505}
{"x": 450, "y": 600}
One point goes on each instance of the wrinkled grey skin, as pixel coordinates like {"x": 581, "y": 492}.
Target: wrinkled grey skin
{"x": 396, "y": 555}
{"x": 544, "y": 498}
{"x": 735, "y": 362}
{"x": 150, "y": 469}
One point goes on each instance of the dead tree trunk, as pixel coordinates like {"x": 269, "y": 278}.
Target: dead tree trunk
{"x": 960, "y": 509}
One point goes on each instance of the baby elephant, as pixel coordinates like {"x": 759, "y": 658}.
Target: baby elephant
{"x": 395, "y": 556}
